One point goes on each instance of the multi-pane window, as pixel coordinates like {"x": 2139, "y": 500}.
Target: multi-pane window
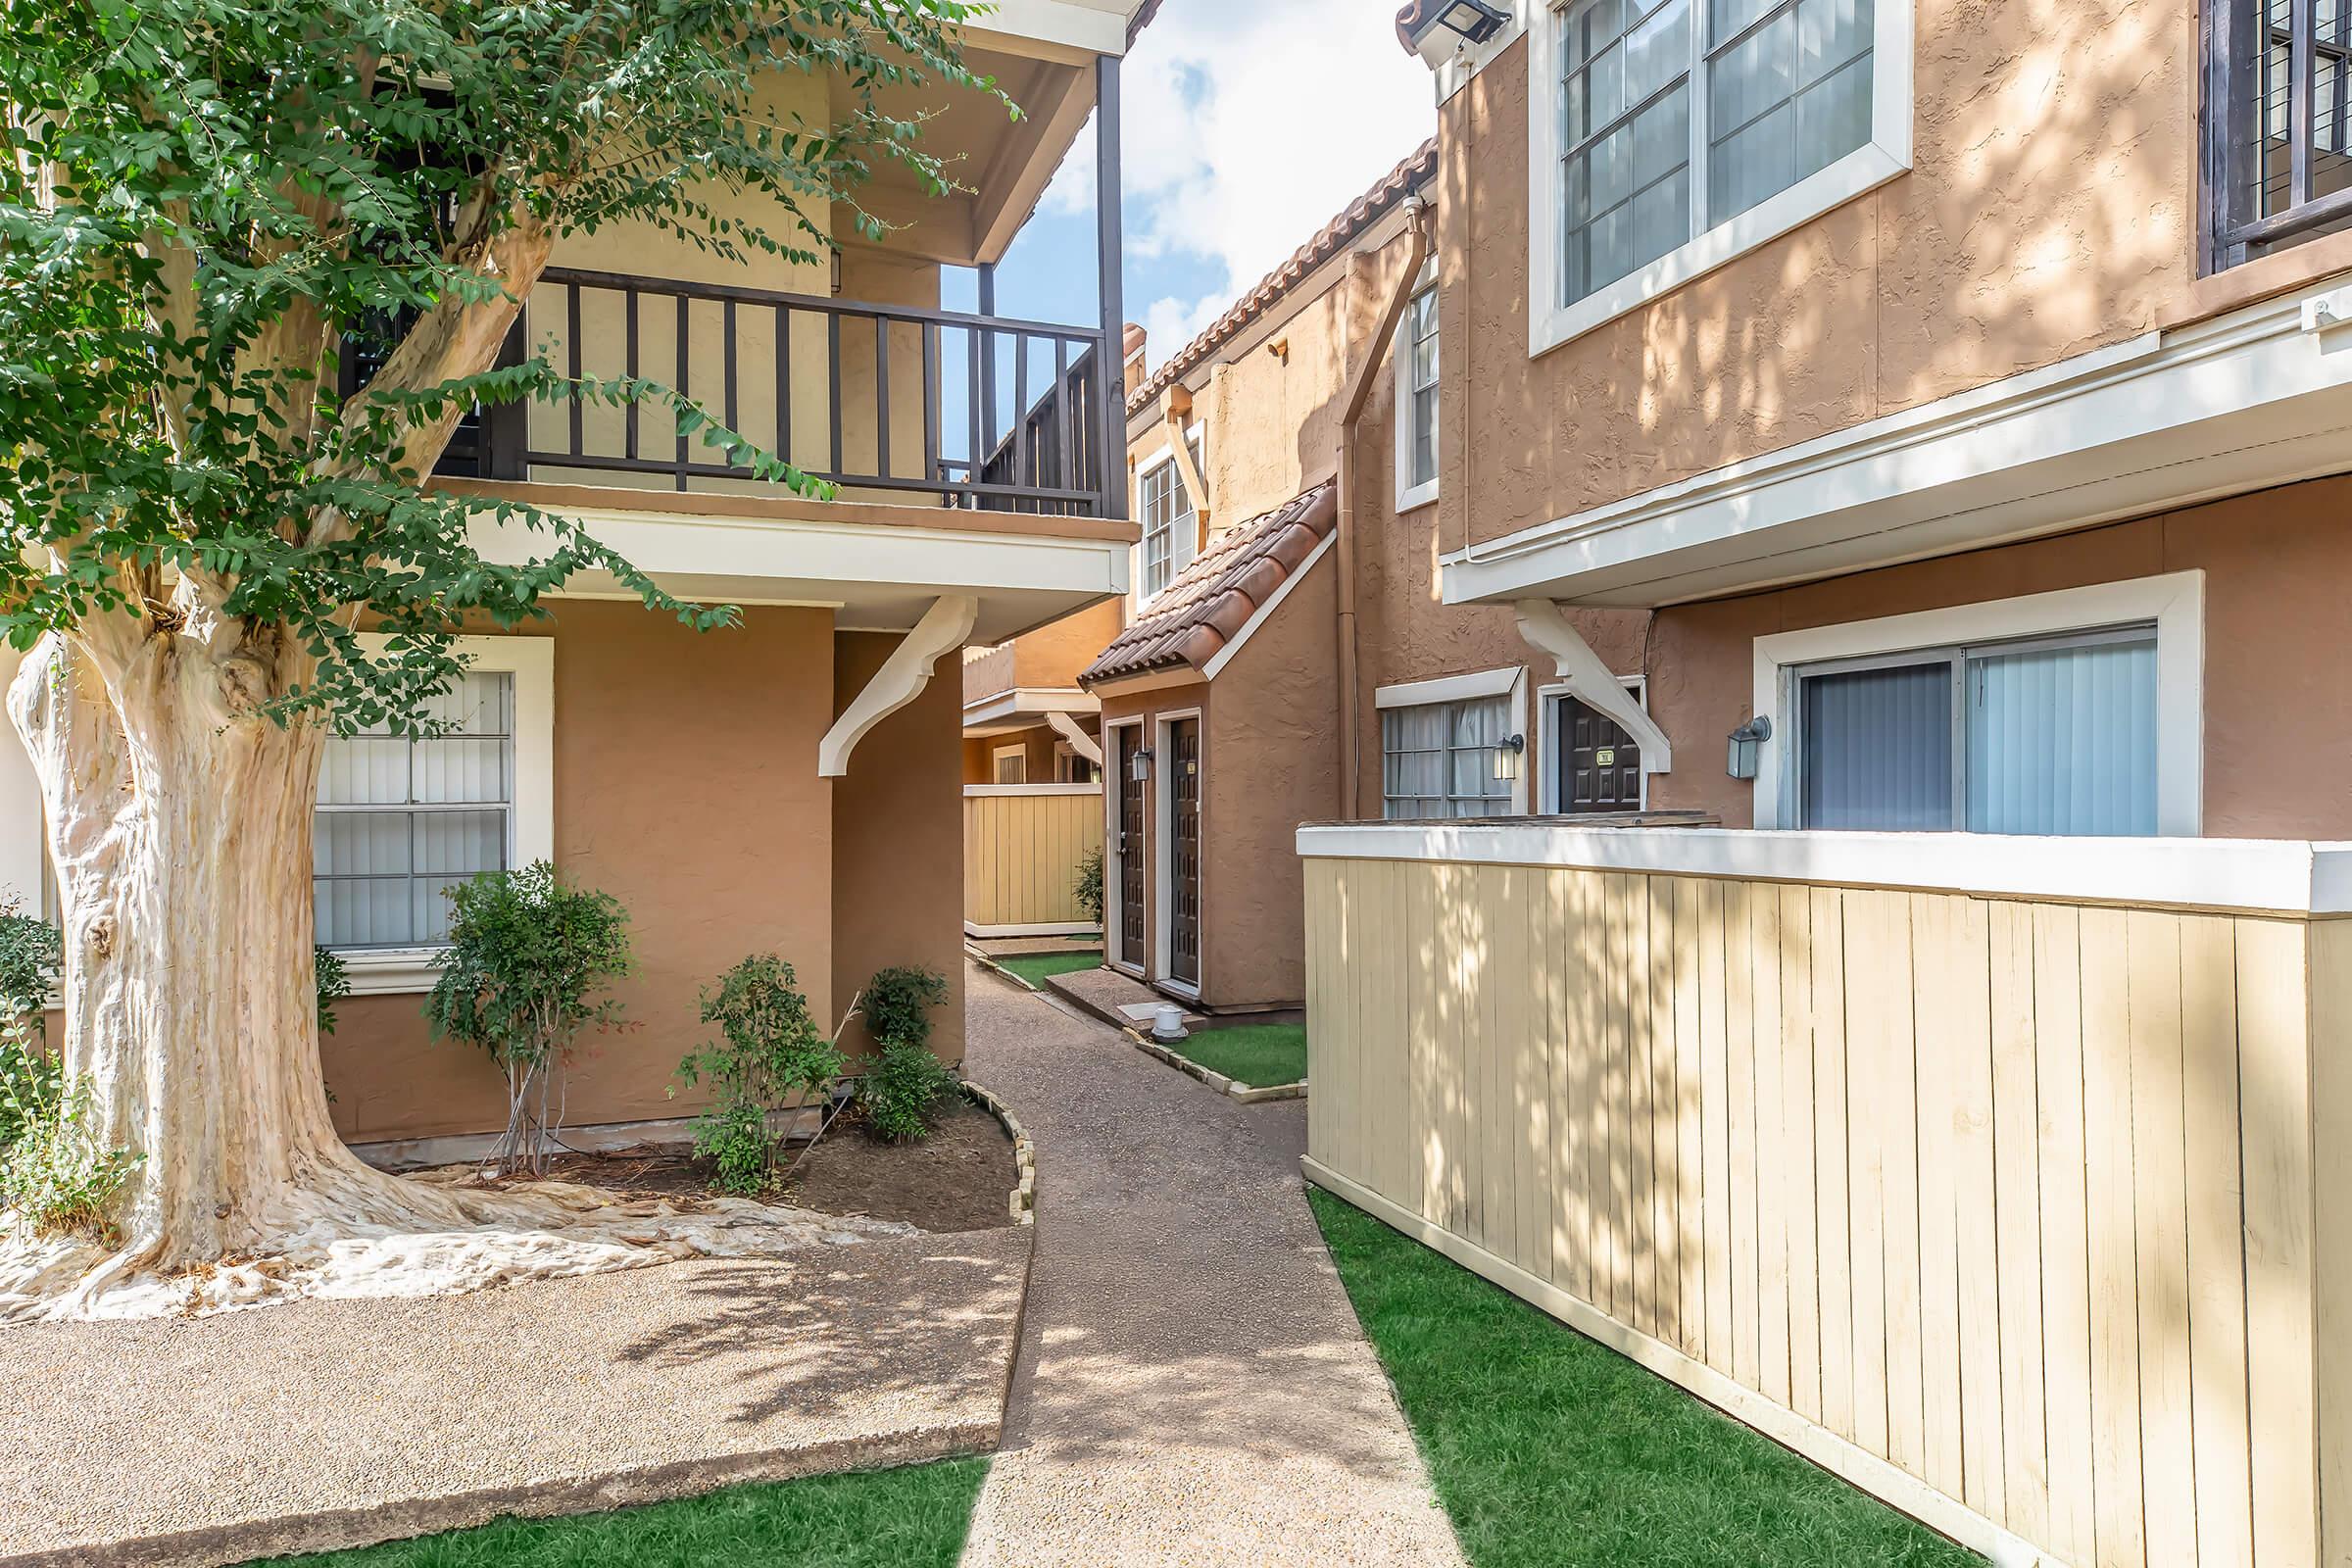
{"x": 2052, "y": 736}
{"x": 1421, "y": 390}
{"x": 1168, "y": 523}
{"x": 1783, "y": 89}
{"x": 400, "y": 820}
{"x": 2278, "y": 150}
{"x": 1437, "y": 759}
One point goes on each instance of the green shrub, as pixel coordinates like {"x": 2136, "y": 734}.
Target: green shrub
{"x": 900, "y": 1090}
{"x": 55, "y": 1174}
{"x": 32, "y": 1078}
{"x": 334, "y": 984}
{"x": 527, "y": 954}
{"x": 904, "y": 1081}
{"x": 898, "y": 1005}
{"x": 769, "y": 1054}
{"x": 1088, "y": 885}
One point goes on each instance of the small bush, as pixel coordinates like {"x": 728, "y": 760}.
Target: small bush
{"x": 334, "y": 984}
{"x": 1088, "y": 885}
{"x": 769, "y": 1055}
{"x": 56, "y": 1177}
{"x": 904, "y": 1081}
{"x": 527, "y": 954}
{"x": 32, "y": 1078}
{"x": 902, "y": 1089}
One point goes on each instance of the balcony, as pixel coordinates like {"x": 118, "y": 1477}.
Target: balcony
{"x": 886, "y": 402}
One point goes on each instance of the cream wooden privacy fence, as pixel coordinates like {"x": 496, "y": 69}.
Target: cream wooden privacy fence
{"x": 1022, "y": 845}
{"x": 2028, "y": 1213}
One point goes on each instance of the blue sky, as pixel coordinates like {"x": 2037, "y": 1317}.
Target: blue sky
{"x": 1248, "y": 124}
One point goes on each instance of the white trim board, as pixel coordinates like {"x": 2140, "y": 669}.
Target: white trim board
{"x": 2259, "y": 397}
{"x": 1021, "y": 702}
{"x": 2255, "y": 876}
{"x": 1776, "y": 1421}
{"x": 1547, "y": 729}
{"x": 1001, "y": 792}
{"x": 1066, "y": 928}
{"x": 2175, "y": 602}
{"x": 1265, "y": 612}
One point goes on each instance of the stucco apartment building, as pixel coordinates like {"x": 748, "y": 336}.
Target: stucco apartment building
{"x": 1961, "y": 396}
{"x": 1221, "y": 700}
{"x": 792, "y": 785}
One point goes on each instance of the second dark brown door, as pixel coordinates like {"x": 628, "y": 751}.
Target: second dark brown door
{"x": 1601, "y": 767}
{"x": 1184, "y": 846}
{"x": 1130, "y": 847}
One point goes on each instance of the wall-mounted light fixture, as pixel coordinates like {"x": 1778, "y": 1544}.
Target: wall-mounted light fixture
{"x": 1747, "y": 746}
{"x": 1139, "y": 767}
{"x": 1507, "y": 754}
{"x": 1436, "y": 28}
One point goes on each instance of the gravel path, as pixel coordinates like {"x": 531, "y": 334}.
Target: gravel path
{"x": 1193, "y": 1388}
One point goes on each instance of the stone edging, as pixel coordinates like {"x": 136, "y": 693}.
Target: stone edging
{"x": 1023, "y": 1200}
{"x": 1223, "y": 1085}
{"x": 994, "y": 968}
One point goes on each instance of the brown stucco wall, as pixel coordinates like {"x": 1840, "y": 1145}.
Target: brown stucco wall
{"x": 2050, "y": 209}
{"x": 686, "y": 786}
{"x": 897, "y": 844}
{"x": 1273, "y": 763}
{"x": 2277, "y": 649}
{"x": 979, "y": 754}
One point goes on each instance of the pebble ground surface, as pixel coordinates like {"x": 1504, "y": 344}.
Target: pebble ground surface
{"x": 1193, "y": 1387}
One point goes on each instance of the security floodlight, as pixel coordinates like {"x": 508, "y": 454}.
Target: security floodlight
{"x": 1426, "y": 24}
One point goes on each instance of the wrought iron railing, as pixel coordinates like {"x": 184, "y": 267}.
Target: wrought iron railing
{"x": 855, "y": 393}
{"x": 2277, "y": 125}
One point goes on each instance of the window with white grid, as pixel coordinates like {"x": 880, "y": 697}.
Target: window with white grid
{"x": 1438, "y": 759}
{"x": 401, "y": 818}
{"x": 1169, "y": 525}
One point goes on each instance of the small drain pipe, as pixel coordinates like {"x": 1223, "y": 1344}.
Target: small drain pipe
{"x": 1359, "y": 391}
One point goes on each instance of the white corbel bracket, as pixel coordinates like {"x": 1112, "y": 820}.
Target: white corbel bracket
{"x": 1080, "y": 740}
{"x": 1546, "y": 629}
{"x": 945, "y": 627}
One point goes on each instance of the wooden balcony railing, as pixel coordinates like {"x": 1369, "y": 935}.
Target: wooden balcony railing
{"x": 855, "y": 393}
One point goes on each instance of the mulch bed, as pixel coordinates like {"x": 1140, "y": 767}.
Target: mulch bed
{"x": 957, "y": 1179}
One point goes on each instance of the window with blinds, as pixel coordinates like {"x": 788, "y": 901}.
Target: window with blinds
{"x": 2053, "y": 736}
{"x": 1438, "y": 759}
{"x": 400, "y": 820}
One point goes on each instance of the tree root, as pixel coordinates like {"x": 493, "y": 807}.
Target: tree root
{"x": 359, "y": 1233}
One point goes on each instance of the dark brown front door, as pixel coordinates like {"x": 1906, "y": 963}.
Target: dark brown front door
{"x": 1601, "y": 767}
{"x": 1184, "y": 843}
{"x": 1130, "y": 848}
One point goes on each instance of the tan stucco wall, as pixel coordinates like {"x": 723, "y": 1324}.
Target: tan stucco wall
{"x": 2050, "y": 209}
{"x": 686, "y": 786}
{"x": 2277, "y": 649}
{"x": 898, "y": 844}
{"x": 1050, "y": 658}
{"x": 979, "y": 754}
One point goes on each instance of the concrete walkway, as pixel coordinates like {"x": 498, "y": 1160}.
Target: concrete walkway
{"x": 1193, "y": 1387}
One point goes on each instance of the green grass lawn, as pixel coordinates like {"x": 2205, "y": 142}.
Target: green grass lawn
{"x": 911, "y": 1518}
{"x": 1551, "y": 1451}
{"x": 1035, "y": 967}
{"x": 1264, "y": 1056}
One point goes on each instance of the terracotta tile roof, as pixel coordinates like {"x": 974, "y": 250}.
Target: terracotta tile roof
{"x": 1140, "y": 21}
{"x": 1360, "y": 215}
{"x": 1212, "y": 599}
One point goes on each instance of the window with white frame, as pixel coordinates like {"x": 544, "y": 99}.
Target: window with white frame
{"x": 1677, "y": 134}
{"x": 2045, "y": 735}
{"x": 1013, "y": 764}
{"x": 1417, "y": 400}
{"x": 1169, "y": 525}
{"x": 403, "y": 818}
{"x": 1437, "y": 759}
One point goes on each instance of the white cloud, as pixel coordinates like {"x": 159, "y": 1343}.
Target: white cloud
{"x": 1248, "y": 124}
{"x": 1172, "y": 322}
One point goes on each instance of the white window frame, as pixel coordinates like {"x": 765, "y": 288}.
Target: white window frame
{"x": 1178, "y": 559}
{"x": 1508, "y": 681}
{"x": 1548, "y": 703}
{"x": 532, "y": 819}
{"x": 2175, "y": 602}
{"x": 1408, "y": 493}
{"x": 1886, "y": 154}
{"x": 996, "y": 764}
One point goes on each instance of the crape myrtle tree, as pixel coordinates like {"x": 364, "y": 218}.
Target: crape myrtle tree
{"x": 202, "y": 202}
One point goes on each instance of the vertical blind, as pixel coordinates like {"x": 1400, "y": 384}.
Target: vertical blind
{"x": 401, "y": 820}
{"x": 1438, "y": 759}
{"x": 2054, "y": 738}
